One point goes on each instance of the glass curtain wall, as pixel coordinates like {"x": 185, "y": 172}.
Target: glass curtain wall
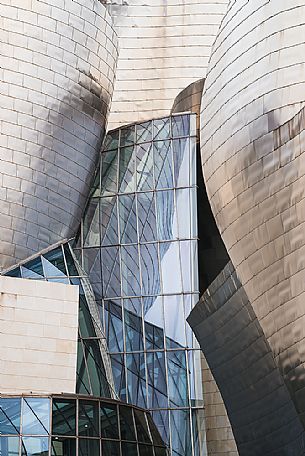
{"x": 138, "y": 244}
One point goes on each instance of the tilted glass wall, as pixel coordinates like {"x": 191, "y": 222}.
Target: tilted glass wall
{"x": 138, "y": 244}
{"x": 58, "y": 264}
{"x": 70, "y": 425}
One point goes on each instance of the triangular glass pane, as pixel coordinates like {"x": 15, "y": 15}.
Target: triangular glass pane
{"x": 34, "y": 266}
{"x": 57, "y": 259}
{"x": 28, "y": 274}
{"x": 50, "y": 270}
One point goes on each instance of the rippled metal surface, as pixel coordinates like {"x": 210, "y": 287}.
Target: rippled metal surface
{"x": 262, "y": 414}
{"x": 57, "y": 73}
{"x": 253, "y": 160}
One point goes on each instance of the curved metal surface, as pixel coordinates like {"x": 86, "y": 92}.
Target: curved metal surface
{"x": 263, "y": 417}
{"x": 252, "y": 151}
{"x": 57, "y": 73}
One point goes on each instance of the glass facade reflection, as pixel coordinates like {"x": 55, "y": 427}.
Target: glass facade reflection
{"x": 138, "y": 245}
{"x": 75, "y": 426}
{"x": 59, "y": 265}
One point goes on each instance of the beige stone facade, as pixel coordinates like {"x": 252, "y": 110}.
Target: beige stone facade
{"x": 38, "y": 336}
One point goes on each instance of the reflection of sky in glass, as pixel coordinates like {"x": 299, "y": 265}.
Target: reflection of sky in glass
{"x": 150, "y": 273}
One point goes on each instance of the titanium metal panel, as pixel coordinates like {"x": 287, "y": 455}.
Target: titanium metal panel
{"x": 57, "y": 72}
{"x": 262, "y": 414}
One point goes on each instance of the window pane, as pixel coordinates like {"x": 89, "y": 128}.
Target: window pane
{"x": 181, "y": 125}
{"x": 111, "y": 140}
{"x": 162, "y": 128}
{"x": 35, "y": 446}
{"x": 110, "y": 448}
{"x": 126, "y": 170}
{"x": 109, "y": 221}
{"x": 181, "y": 153}
{"x": 144, "y": 167}
{"x": 141, "y": 426}
{"x": 177, "y": 378}
{"x": 174, "y": 321}
{"x": 144, "y": 132}
{"x": 10, "y": 411}
{"x": 166, "y": 215}
{"x": 88, "y": 418}
{"x": 109, "y": 421}
{"x": 181, "y": 433}
{"x": 150, "y": 269}
{"x": 170, "y": 267}
{"x": 147, "y": 217}
{"x": 133, "y": 332}
{"x": 109, "y": 171}
{"x": 160, "y": 429}
{"x": 111, "y": 272}
{"x": 136, "y": 384}
{"x": 156, "y": 372}
{"x": 130, "y": 271}
{"x": 36, "y": 416}
{"x": 64, "y": 417}
{"x": 9, "y": 446}
{"x": 119, "y": 377}
{"x": 146, "y": 450}
{"x": 63, "y": 446}
{"x": 127, "y": 136}
{"x": 126, "y": 423}
{"x": 88, "y": 447}
{"x": 91, "y": 224}
{"x": 163, "y": 162}
{"x": 128, "y": 219}
{"x": 129, "y": 449}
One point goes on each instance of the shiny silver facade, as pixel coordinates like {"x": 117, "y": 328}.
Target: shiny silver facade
{"x": 263, "y": 417}
{"x": 253, "y": 160}
{"x": 57, "y": 72}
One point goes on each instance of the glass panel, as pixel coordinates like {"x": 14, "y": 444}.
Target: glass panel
{"x": 189, "y": 266}
{"x": 127, "y": 136}
{"x": 85, "y": 323}
{"x": 56, "y": 258}
{"x": 128, "y": 219}
{"x": 63, "y": 446}
{"x": 10, "y": 411}
{"x": 35, "y": 446}
{"x": 133, "y": 332}
{"x": 91, "y": 224}
{"x": 28, "y": 274}
{"x": 154, "y": 337}
{"x": 159, "y": 426}
{"x": 109, "y": 221}
{"x": 181, "y": 433}
{"x": 150, "y": 269}
{"x": 142, "y": 427}
{"x": 36, "y": 416}
{"x": 146, "y": 450}
{"x": 130, "y": 271}
{"x": 88, "y": 418}
{"x": 199, "y": 432}
{"x": 111, "y": 448}
{"x": 170, "y": 267}
{"x": 64, "y": 417}
{"x": 174, "y": 321}
{"x": 147, "y": 217}
{"x": 109, "y": 421}
{"x": 136, "y": 384}
{"x": 156, "y": 372}
{"x": 126, "y": 423}
{"x": 181, "y": 125}
{"x": 70, "y": 261}
{"x": 92, "y": 266}
{"x": 162, "y": 451}
{"x": 118, "y": 370}
{"x": 114, "y": 326}
{"x": 88, "y": 447}
{"x": 82, "y": 379}
{"x": 181, "y": 153}
{"x": 98, "y": 379}
{"x": 177, "y": 378}
{"x": 166, "y": 215}
{"x": 129, "y": 449}
{"x": 111, "y": 272}
{"x": 163, "y": 162}
{"x": 109, "y": 173}
{"x": 9, "y": 446}
{"x": 133, "y": 305}
{"x": 33, "y": 269}
{"x": 127, "y": 170}
{"x": 144, "y": 167}
{"x": 112, "y": 140}
{"x": 14, "y": 273}
{"x": 144, "y": 132}
{"x": 162, "y": 128}
{"x": 183, "y": 213}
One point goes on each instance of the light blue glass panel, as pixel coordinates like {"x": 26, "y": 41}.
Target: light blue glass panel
{"x": 199, "y": 432}
{"x": 193, "y": 161}
{"x": 161, "y": 420}
{"x": 163, "y": 164}
{"x": 181, "y": 432}
{"x": 130, "y": 271}
{"x": 91, "y": 224}
{"x": 156, "y": 376}
{"x": 144, "y": 167}
{"x": 162, "y": 128}
{"x": 181, "y": 125}
{"x": 174, "y": 321}
{"x": 147, "y": 217}
{"x": 119, "y": 375}
{"x": 136, "y": 383}
{"x": 181, "y": 153}
{"x": 114, "y": 326}
{"x": 150, "y": 270}
{"x": 109, "y": 221}
{"x": 56, "y": 258}
{"x": 10, "y": 411}
{"x": 128, "y": 219}
{"x": 127, "y": 136}
{"x": 50, "y": 270}
{"x": 35, "y": 416}
{"x": 177, "y": 378}
{"x": 183, "y": 213}
{"x": 133, "y": 332}
{"x": 166, "y": 215}
{"x": 111, "y": 272}
{"x": 127, "y": 177}
{"x": 144, "y": 132}
{"x": 189, "y": 266}
{"x": 170, "y": 267}
{"x": 112, "y": 140}
{"x": 133, "y": 305}
{"x": 35, "y": 446}
{"x": 9, "y": 446}
{"x": 195, "y": 378}
{"x": 109, "y": 173}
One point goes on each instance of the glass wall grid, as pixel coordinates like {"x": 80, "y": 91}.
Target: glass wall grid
{"x": 75, "y": 426}
{"x": 139, "y": 235}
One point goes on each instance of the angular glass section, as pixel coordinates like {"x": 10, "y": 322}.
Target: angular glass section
{"x": 9, "y": 446}
{"x": 147, "y": 217}
{"x": 35, "y": 446}
{"x": 88, "y": 447}
{"x": 10, "y": 410}
{"x": 36, "y": 416}
{"x": 162, "y": 128}
{"x": 144, "y": 167}
{"x": 163, "y": 164}
{"x": 63, "y": 446}
{"x": 109, "y": 173}
{"x": 64, "y": 417}
{"x": 127, "y": 177}
{"x": 110, "y": 448}
{"x": 128, "y": 219}
{"x": 144, "y": 132}
{"x": 88, "y": 418}
{"x": 109, "y": 421}
{"x": 109, "y": 221}
{"x": 126, "y": 423}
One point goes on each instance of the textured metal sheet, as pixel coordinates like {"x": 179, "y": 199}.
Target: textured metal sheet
{"x": 57, "y": 72}
{"x": 253, "y": 160}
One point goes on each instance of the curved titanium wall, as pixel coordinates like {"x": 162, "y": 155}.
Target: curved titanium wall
{"x": 252, "y": 150}
{"x": 263, "y": 417}
{"x": 57, "y": 72}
